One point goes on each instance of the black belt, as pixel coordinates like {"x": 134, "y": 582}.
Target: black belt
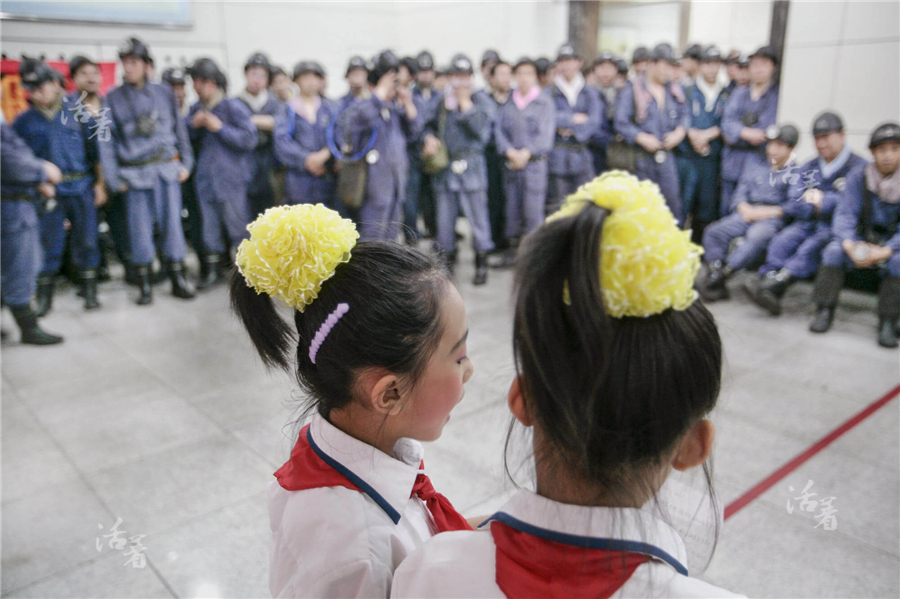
{"x": 537, "y": 158}
{"x": 158, "y": 159}
{"x": 74, "y": 176}
{"x": 575, "y": 147}
{"x": 19, "y": 198}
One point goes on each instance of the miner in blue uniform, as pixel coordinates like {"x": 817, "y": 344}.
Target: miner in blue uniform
{"x": 524, "y": 130}
{"x": 749, "y": 111}
{"x": 606, "y": 69}
{"x": 149, "y": 156}
{"x": 265, "y": 109}
{"x": 816, "y": 190}
{"x": 357, "y": 76}
{"x": 577, "y": 120}
{"x": 61, "y": 131}
{"x": 300, "y": 140}
{"x": 866, "y": 229}
{"x": 706, "y": 104}
{"x": 392, "y": 115}
{"x": 419, "y": 188}
{"x": 462, "y": 185}
{"x": 652, "y": 116}
{"x": 224, "y": 138}
{"x": 757, "y": 215}
{"x": 24, "y": 180}
{"x": 497, "y": 95}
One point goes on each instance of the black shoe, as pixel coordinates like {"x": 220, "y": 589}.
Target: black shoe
{"x": 32, "y": 333}
{"x": 480, "y": 269}
{"x": 103, "y": 275}
{"x": 142, "y": 278}
{"x": 712, "y": 288}
{"x": 89, "y": 282}
{"x": 771, "y": 289}
{"x": 210, "y": 272}
{"x": 887, "y": 333}
{"x": 503, "y": 260}
{"x": 180, "y": 287}
{"x": 44, "y": 296}
{"x": 449, "y": 260}
{"x": 822, "y": 322}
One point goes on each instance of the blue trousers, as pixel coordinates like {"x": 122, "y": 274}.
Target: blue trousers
{"x": 222, "y": 223}
{"x": 411, "y": 202}
{"x": 382, "y": 210}
{"x": 666, "y": 176}
{"x": 157, "y": 207}
{"x": 474, "y": 206}
{"x": 526, "y": 192}
{"x": 834, "y": 255}
{"x": 700, "y": 188}
{"x": 728, "y": 188}
{"x": 798, "y": 248}
{"x": 562, "y": 186}
{"x": 304, "y": 188}
{"x": 20, "y": 251}
{"x": 80, "y": 211}
{"x": 717, "y": 237}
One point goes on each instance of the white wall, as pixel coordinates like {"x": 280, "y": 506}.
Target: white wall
{"x": 330, "y": 32}
{"x": 844, "y": 56}
{"x": 744, "y": 25}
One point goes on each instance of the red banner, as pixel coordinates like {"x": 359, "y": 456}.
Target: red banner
{"x": 13, "y": 100}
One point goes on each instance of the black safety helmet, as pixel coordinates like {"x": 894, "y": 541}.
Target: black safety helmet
{"x": 308, "y": 66}
{"x": 77, "y": 62}
{"x": 489, "y": 56}
{"x": 425, "y": 61}
{"x": 258, "y": 59}
{"x": 743, "y": 61}
{"x": 206, "y": 68}
{"x": 786, "y": 134}
{"x": 460, "y": 63}
{"x": 411, "y": 64}
{"x": 711, "y": 54}
{"x": 356, "y": 62}
{"x": 276, "y": 70}
{"x": 827, "y": 122}
{"x": 567, "y": 50}
{"x": 604, "y": 57}
{"x": 35, "y": 73}
{"x": 640, "y": 54}
{"x": 174, "y": 76}
{"x": 732, "y": 57}
{"x": 693, "y": 51}
{"x": 132, "y": 46}
{"x": 665, "y": 52}
{"x": 622, "y": 66}
{"x": 884, "y": 133}
{"x": 542, "y": 65}
{"x": 766, "y": 52}
{"x": 523, "y": 61}
{"x": 383, "y": 64}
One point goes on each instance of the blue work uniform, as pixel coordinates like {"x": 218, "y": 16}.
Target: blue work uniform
{"x": 864, "y": 216}
{"x": 532, "y": 128}
{"x": 149, "y": 146}
{"x": 68, "y": 140}
{"x": 224, "y": 167}
{"x": 799, "y": 246}
{"x": 494, "y": 161}
{"x": 700, "y": 188}
{"x": 260, "y": 193}
{"x": 570, "y": 163}
{"x": 463, "y": 184}
{"x": 741, "y": 110}
{"x": 381, "y": 213}
{"x": 419, "y": 187}
{"x": 295, "y": 139}
{"x": 20, "y": 237}
{"x": 604, "y": 132}
{"x": 759, "y": 186}
{"x": 659, "y": 122}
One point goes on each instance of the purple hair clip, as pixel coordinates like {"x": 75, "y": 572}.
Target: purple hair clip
{"x": 325, "y": 329}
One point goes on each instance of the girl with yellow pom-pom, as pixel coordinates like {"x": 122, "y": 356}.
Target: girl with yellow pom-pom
{"x": 379, "y": 345}
{"x": 618, "y": 367}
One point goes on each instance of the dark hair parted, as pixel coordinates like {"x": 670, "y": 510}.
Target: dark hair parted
{"x": 611, "y": 395}
{"x": 394, "y": 322}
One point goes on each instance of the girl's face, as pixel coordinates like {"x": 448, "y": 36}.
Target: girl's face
{"x": 428, "y": 408}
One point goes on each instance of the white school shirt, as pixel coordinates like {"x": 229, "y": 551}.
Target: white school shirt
{"x": 463, "y": 564}
{"x": 338, "y": 542}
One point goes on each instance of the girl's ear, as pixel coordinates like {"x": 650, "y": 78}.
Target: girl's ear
{"x": 517, "y": 405}
{"x": 382, "y": 393}
{"x": 695, "y": 446}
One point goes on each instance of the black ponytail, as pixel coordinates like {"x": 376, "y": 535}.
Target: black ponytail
{"x": 272, "y": 337}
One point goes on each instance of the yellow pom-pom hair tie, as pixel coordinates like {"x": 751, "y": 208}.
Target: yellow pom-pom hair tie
{"x": 292, "y": 250}
{"x": 647, "y": 264}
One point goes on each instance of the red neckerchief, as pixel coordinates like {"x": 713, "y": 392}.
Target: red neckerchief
{"x": 529, "y": 566}
{"x": 306, "y": 469}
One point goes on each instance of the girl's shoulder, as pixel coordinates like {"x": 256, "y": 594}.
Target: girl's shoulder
{"x": 656, "y": 579}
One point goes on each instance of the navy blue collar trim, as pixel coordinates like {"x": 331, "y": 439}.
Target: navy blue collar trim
{"x": 589, "y": 542}
{"x": 366, "y": 488}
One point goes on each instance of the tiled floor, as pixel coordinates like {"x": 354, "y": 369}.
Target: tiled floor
{"x": 163, "y": 417}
